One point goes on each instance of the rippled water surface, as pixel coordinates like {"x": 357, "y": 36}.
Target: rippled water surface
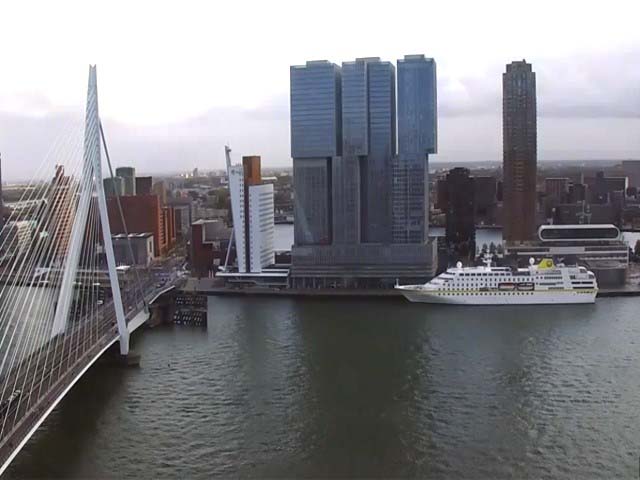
{"x": 376, "y": 388}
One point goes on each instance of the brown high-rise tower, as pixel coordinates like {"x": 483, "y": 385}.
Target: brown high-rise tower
{"x": 519, "y": 138}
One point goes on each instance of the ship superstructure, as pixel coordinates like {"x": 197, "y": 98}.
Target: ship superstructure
{"x": 542, "y": 283}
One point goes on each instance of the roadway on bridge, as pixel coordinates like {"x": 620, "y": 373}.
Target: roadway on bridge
{"x": 43, "y": 377}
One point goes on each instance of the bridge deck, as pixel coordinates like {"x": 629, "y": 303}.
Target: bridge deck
{"x": 50, "y": 372}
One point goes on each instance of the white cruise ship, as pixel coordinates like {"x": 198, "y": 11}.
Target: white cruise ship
{"x": 544, "y": 283}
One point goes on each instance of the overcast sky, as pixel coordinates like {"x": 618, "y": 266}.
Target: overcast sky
{"x": 179, "y": 79}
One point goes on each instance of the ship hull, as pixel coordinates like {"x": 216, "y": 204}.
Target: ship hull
{"x": 500, "y": 298}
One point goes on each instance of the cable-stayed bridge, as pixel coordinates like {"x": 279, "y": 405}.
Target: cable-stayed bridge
{"x": 63, "y": 298}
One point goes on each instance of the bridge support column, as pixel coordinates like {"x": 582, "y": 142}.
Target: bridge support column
{"x": 92, "y": 137}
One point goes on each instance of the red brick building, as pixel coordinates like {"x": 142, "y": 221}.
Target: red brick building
{"x": 209, "y": 243}
{"x": 142, "y": 213}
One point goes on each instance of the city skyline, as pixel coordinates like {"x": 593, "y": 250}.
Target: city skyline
{"x": 166, "y": 103}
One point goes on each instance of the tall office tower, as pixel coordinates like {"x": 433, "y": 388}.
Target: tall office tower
{"x": 362, "y": 208}
{"x": 259, "y": 216}
{"x": 316, "y": 141}
{"x": 460, "y": 228}
{"x": 346, "y": 202}
{"x": 113, "y": 186}
{"x": 343, "y": 138}
{"x": 253, "y": 216}
{"x": 128, "y": 175}
{"x": 519, "y": 137}
{"x": 417, "y": 138}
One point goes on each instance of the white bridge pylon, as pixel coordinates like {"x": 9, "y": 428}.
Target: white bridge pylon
{"x": 92, "y": 186}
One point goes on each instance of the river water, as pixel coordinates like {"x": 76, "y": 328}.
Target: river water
{"x": 285, "y": 387}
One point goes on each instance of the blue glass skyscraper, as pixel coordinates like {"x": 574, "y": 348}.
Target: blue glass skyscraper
{"x": 417, "y": 138}
{"x": 362, "y": 177}
{"x": 316, "y": 138}
{"x": 360, "y": 211}
{"x": 382, "y": 149}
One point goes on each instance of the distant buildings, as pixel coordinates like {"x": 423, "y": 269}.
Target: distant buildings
{"x": 142, "y": 213}
{"x": 62, "y": 206}
{"x": 183, "y": 216}
{"x": 113, "y": 186}
{"x": 361, "y": 211}
{"x": 128, "y": 175}
{"x": 519, "y": 126}
{"x": 144, "y": 185}
{"x": 16, "y": 238}
{"x": 486, "y": 198}
{"x": 140, "y": 245}
{"x": 631, "y": 169}
{"x": 460, "y": 231}
{"x": 599, "y": 247}
{"x": 556, "y": 191}
{"x": 209, "y": 244}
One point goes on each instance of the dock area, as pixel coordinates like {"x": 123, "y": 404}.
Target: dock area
{"x": 209, "y": 286}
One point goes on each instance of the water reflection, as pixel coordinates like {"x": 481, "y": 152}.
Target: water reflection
{"x": 375, "y": 388}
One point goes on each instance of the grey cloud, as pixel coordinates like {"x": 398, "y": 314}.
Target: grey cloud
{"x": 589, "y": 107}
{"x": 597, "y": 86}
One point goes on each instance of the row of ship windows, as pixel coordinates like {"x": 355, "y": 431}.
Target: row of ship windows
{"x": 501, "y": 275}
{"x": 504, "y": 293}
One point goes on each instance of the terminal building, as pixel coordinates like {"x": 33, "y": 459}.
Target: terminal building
{"x": 600, "y": 248}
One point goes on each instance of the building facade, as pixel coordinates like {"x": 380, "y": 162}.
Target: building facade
{"x": 252, "y": 210}
{"x": 142, "y": 213}
{"x": 144, "y": 185}
{"x": 350, "y": 192}
{"x": 140, "y": 245}
{"x": 519, "y": 138}
{"x": 113, "y": 186}
{"x": 261, "y": 227}
{"x": 316, "y": 140}
{"x": 417, "y": 138}
{"x": 209, "y": 244}
{"x": 460, "y": 231}
{"x": 599, "y": 247}
{"x": 128, "y": 175}
{"x": 236, "y": 193}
